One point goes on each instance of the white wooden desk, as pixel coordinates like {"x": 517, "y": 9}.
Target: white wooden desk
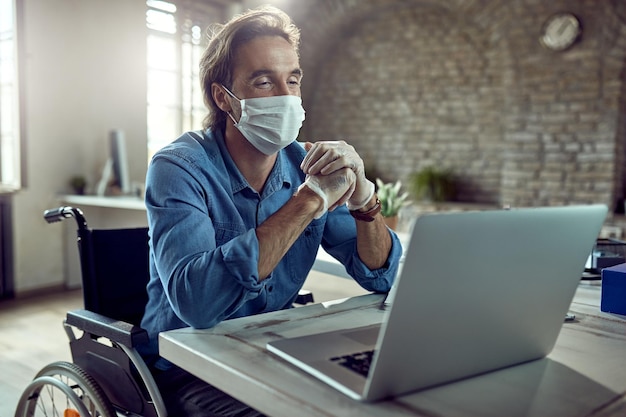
{"x": 585, "y": 375}
{"x": 327, "y": 264}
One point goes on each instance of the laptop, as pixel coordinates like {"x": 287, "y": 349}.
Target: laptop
{"x": 479, "y": 291}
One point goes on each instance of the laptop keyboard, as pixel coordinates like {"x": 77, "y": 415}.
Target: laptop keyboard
{"x": 358, "y": 362}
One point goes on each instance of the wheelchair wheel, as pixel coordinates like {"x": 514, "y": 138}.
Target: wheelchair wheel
{"x": 64, "y": 389}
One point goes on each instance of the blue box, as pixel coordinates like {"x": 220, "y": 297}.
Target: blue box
{"x": 614, "y": 289}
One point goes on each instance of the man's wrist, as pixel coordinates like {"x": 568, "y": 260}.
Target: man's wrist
{"x": 312, "y": 198}
{"x": 358, "y": 205}
{"x": 369, "y": 211}
{"x": 369, "y": 205}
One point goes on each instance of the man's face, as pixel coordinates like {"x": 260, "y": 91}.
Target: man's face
{"x": 266, "y": 66}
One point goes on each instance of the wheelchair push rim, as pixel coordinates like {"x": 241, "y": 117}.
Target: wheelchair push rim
{"x": 64, "y": 389}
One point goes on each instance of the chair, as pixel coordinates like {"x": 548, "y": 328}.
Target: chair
{"x": 107, "y": 375}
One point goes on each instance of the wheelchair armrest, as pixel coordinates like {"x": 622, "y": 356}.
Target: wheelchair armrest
{"x": 115, "y": 330}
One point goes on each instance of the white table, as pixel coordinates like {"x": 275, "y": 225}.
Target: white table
{"x": 117, "y": 202}
{"x": 585, "y": 375}
{"x": 329, "y": 265}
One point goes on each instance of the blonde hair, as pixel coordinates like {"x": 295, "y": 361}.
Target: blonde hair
{"x": 216, "y": 64}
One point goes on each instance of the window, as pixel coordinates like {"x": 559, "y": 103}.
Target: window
{"x": 176, "y": 41}
{"x": 10, "y": 163}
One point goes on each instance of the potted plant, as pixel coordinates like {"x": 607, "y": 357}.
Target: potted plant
{"x": 433, "y": 184}
{"x": 391, "y": 201}
{"x": 78, "y": 184}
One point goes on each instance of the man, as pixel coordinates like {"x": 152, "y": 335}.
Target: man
{"x": 238, "y": 211}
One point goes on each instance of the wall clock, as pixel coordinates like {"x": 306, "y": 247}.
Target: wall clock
{"x": 560, "y": 31}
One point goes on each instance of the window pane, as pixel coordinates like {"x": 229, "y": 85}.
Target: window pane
{"x": 164, "y": 126}
{"x": 10, "y": 164}
{"x": 162, "y": 53}
{"x": 198, "y": 117}
{"x": 161, "y": 21}
{"x": 162, "y": 5}
{"x": 7, "y": 62}
{"x": 163, "y": 88}
{"x": 7, "y": 111}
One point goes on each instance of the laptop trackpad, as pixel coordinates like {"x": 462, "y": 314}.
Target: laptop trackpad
{"x": 365, "y": 335}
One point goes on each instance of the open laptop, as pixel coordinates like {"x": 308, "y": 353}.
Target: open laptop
{"x": 479, "y": 291}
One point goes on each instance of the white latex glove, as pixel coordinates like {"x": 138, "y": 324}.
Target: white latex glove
{"x": 334, "y": 188}
{"x": 330, "y": 156}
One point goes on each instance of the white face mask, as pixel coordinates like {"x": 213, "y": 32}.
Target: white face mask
{"x": 269, "y": 123}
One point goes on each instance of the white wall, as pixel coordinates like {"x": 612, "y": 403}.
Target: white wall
{"x": 84, "y": 74}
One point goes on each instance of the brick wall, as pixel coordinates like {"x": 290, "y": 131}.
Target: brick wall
{"x": 466, "y": 85}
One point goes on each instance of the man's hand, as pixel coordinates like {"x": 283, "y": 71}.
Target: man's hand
{"x": 334, "y": 188}
{"x": 324, "y": 158}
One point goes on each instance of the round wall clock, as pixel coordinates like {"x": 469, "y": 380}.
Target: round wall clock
{"x": 560, "y": 31}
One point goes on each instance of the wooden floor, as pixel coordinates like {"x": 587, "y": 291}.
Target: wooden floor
{"x": 32, "y": 335}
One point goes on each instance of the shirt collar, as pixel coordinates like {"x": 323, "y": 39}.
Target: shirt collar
{"x": 277, "y": 179}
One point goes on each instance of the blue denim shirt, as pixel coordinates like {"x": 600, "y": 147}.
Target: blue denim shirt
{"x": 204, "y": 252}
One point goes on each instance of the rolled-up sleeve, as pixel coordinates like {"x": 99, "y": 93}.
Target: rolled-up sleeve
{"x": 340, "y": 242}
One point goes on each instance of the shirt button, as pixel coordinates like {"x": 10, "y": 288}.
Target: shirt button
{"x": 270, "y": 288}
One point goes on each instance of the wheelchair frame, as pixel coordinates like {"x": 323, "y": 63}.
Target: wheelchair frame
{"x": 107, "y": 376}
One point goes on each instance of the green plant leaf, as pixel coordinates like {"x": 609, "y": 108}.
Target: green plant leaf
{"x": 391, "y": 201}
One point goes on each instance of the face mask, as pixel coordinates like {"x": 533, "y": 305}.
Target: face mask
{"x": 269, "y": 123}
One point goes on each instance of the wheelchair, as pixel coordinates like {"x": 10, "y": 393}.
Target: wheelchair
{"x": 107, "y": 377}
